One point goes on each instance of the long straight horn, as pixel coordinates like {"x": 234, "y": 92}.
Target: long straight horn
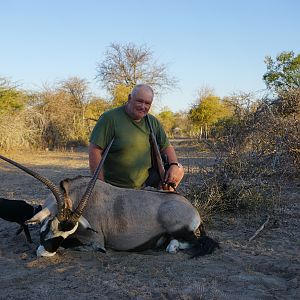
{"x": 54, "y": 189}
{"x": 85, "y": 198}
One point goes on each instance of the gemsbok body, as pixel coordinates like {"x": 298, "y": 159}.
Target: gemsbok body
{"x": 91, "y": 214}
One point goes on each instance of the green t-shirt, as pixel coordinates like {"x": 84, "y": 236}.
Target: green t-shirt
{"x": 129, "y": 158}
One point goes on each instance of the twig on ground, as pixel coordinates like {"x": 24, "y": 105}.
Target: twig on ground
{"x": 259, "y": 229}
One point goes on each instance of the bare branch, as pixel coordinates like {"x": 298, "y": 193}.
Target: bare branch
{"x": 129, "y": 65}
{"x": 259, "y": 229}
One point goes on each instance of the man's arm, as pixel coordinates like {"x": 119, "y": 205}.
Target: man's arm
{"x": 95, "y": 155}
{"x": 175, "y": 173}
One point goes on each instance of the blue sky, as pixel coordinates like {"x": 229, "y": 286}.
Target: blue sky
{"x": 219, "y": 44}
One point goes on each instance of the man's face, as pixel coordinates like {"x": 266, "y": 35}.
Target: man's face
{"x": 139, "y": 105}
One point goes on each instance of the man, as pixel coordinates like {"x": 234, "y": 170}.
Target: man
{"x": 129, "y": 159}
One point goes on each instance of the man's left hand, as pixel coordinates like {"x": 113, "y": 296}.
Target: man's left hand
{"x": 173, "y": 176}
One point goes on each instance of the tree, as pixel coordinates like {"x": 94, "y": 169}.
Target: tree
{"x": 129, "y": 64}
{"x": 208, "y": 111}
{"x": 167, "y": 118}
{"x": 19, "y": 123}
{"x": 283, "y": 73}
{"x": 120, "y": 94}
{"x": 77, "y": 91}
{"x": 11, "y": 98}
{"x": 95, "y": 108}
{"x": 77, "y": 88}
{"x": 63, "y": 108}
{"x": 241, "y": 104}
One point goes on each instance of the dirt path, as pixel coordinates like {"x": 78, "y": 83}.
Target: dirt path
{"x": 266, "y": 268}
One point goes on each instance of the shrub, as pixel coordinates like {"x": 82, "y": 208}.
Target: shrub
{"x": 254, "y": 156}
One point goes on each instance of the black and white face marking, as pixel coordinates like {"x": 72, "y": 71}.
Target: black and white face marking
{"x": 52, "y": 234}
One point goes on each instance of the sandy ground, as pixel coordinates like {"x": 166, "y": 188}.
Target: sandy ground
{"x": 266, "y": 268}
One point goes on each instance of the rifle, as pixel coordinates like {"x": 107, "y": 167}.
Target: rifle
{"x": 158, "y": 159}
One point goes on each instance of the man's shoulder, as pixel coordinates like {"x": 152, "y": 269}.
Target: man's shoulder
{"x": 114, "y": 111}
{"x": 153, "y": 120}
{"x": 112, "y": 114}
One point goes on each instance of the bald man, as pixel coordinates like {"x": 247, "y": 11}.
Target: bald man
{"x": 129, "y": 160}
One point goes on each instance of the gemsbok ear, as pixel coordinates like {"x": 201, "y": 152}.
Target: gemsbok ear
{"x": 39, "y": 217}
{"x": 85, "y": 223}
